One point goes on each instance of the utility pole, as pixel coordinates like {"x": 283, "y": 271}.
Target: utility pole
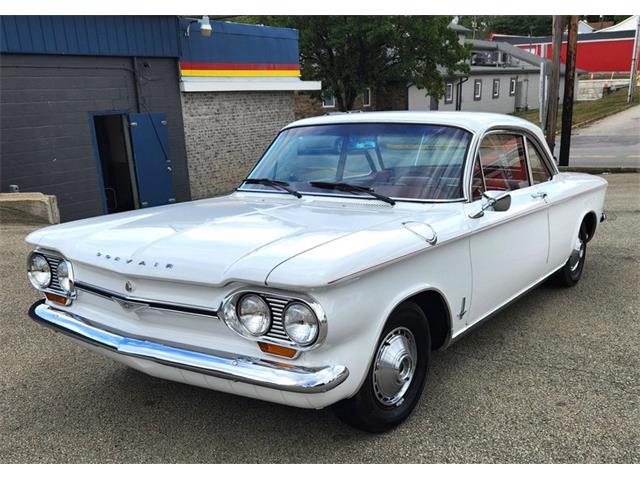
{"x": 633, "y": 79}
{"x": 569, "y": 83}
{"x": 554, "y": 84}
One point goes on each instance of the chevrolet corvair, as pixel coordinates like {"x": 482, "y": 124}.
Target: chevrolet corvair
{"x": 357, "y": 245}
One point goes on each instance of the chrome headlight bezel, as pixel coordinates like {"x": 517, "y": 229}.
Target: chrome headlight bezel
{"x": 36, "y": 256}
{"x": 313, "y": 323}
{"x": 228, "y": 313}
{"x": 65, "y": 279}
{"x": 65, "y": 290}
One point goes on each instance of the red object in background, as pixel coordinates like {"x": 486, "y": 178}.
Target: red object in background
{"x": 593, "y": 54}
{"x": 600, "y": 56}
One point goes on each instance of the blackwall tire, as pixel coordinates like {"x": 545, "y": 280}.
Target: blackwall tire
{"x": 396, "y": 377}
{"x": 570, "y": 273}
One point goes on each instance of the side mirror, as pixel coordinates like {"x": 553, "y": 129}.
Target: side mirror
{"x": 502, "y": 203}
{"x": 499, "y": 203}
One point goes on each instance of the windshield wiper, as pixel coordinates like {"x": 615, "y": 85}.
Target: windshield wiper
{"x": 347, "y": 187}
{"x": 272, "y": 183}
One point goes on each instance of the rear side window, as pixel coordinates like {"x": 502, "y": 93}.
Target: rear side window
{"x": 503, "y": 162}
{"x": 539, "y": 170}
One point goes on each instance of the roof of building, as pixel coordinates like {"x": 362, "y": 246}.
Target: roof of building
{"x": 603, "y": 34}
{"x": 519, "y": 53}
{"x": 584, "y": 27}
{"x": 476, "y": 122}
{"x": 625, "y": 25}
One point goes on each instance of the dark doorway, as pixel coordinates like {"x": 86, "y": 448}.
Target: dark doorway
{"x": 118, "y": 174}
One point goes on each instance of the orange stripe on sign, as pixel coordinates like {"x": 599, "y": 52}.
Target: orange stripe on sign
{"x": 240, "y": 73}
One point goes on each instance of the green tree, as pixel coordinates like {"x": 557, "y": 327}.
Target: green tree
{"x": 351, "y": 53}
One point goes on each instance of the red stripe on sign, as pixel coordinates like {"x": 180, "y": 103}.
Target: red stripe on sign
{"x": 238, "y": 66}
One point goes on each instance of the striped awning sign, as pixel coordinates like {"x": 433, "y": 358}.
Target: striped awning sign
{"x": 212, "y": 69}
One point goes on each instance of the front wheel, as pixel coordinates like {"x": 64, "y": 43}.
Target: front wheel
{"x": 397, "y": 374}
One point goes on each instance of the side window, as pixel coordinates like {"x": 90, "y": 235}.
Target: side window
{"x": 539, "y": 171}
{"x": 477, "y": 185}
{"x": 503, "y": 162}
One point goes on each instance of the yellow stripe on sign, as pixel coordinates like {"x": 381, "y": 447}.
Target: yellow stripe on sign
{"x": 240, "y": 73}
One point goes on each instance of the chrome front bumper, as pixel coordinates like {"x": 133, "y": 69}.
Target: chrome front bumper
{"x": 255, "y": 371}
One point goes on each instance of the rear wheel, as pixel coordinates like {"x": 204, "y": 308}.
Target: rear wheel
{"x": 397, "y": 374}
{"x": 570, "y": 274}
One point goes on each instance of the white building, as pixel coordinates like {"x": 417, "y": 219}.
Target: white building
{"x": 502, "y": 79}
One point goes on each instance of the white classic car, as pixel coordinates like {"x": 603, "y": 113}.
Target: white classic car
{"x": 357, "y": 245}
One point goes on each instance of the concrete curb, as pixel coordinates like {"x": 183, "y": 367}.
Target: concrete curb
{"x": 33, "y": 205}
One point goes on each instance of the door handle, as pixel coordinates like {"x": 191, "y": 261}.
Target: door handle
{"x": 542, "y": 195}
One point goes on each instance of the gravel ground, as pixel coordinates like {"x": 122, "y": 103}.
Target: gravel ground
{"x": 554, "y": 378}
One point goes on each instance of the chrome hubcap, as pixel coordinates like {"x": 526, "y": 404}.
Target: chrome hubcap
{"x": 394, "y": 366}
{"x": 576, "y": 255}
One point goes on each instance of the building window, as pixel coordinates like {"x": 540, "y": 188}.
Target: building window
{"x": 328, "y": 101}
{"x": 366, "y": 97}
{"x": 477, "y": 90}
{"x": 448, "y": 94}
{"x": 495, "y": 93}
{"x": 512, "y": 86}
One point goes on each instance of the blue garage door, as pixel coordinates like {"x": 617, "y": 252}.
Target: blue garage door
{"x": 150, "y": 145}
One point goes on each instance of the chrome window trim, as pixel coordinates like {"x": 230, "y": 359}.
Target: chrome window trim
{"x": 232, "y": 298}
{"x": 507, "y": 129}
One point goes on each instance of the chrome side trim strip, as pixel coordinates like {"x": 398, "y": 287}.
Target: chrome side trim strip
{"x": 264, "y": 373}
{"x": 142, "y": 303}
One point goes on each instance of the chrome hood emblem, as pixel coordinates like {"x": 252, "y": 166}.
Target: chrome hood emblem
{"x": 130, "y": 305}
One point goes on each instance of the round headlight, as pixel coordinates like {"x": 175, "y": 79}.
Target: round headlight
{"x": 39, "y": 271}
{"x": 301, "y": 324}
{"x": 64, "y": 276}
{"x": 254, "y": 314}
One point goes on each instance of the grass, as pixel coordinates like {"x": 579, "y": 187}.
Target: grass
{"x": 589, "y": 111}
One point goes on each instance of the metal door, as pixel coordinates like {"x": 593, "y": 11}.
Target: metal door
{"x": 150, "y": 148}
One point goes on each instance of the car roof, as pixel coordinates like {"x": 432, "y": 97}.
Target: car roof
{"x": 476, "y": 122}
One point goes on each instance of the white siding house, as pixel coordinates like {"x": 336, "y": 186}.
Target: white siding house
{"x": 502, "y": 79}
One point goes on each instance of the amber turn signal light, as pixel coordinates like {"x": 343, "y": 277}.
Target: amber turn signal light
{"x": 56, "y": 298}
{"x": 277, "y": 350}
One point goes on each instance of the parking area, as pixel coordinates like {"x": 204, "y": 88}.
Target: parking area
{"x": 553, "y": 378}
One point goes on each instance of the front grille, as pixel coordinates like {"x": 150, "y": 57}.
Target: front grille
{"x": 276, "y": 332}
{"x": 55, "y": 283}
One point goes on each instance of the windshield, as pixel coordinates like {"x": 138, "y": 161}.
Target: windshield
{"x": 422, "y": 162}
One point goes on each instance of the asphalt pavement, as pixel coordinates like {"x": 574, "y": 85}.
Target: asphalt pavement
{"x": 611, "y": 142}
{"x": 553, "y": 378}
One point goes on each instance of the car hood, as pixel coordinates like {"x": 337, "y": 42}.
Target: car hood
{"x": 240, "y": 237}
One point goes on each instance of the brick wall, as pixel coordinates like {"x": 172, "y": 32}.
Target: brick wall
{"x": 226, "y": 133}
